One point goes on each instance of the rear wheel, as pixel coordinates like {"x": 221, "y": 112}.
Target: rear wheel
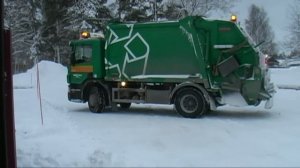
{"x": 96, "y": 100}
{"x": 125, "y": 105}
{"x": 190, "y": 103}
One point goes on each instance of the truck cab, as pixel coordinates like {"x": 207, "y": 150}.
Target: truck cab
{"x": 87, "y": 60}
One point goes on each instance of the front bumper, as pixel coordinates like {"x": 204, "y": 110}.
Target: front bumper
{"x": 75, "y": 93}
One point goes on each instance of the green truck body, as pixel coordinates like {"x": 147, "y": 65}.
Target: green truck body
{"x": 194, "y": 63}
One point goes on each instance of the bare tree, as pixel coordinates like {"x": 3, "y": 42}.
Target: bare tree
{"x": 258, "y": 27}
{"x": 293, "y": 43}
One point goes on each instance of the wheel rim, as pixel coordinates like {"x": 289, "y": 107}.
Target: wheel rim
{"x": 93, "y": 100}
{"x": 189, "y": 103}
{"x": 96, "y": 100}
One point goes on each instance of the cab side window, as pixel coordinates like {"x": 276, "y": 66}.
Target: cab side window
{"x": 83, "y": 54}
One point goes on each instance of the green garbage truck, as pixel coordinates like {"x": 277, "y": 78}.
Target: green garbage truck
{"x": 195, "y": 64}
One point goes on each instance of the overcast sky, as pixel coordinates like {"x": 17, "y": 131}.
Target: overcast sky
{"x": 277, "y": 11}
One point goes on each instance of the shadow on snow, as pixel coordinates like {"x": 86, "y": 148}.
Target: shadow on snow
{"x": 169, "y": 111}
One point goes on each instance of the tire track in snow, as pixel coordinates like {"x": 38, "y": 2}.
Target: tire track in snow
{"x": 95, "y": 157}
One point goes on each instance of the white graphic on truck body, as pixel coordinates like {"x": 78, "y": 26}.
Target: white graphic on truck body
{"x": 129, "y": 56}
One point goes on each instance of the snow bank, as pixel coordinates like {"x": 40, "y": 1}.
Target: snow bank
{"x": 49, "y": 71}
{"x": 53, "y": 80}
{"x": 288, "y": 78}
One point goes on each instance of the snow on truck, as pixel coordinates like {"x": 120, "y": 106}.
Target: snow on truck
{"x": 194, "y": 63}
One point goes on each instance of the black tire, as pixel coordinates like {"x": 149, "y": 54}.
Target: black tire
{"x": 125, "y": 106}
{"x": 96, "y": 100}
{"x": 190, "y": 103}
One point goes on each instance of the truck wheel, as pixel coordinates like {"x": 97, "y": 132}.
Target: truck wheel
{"x": 96, "y": 100}
{"x": 125, "y": 105}
{"x": 190, "y": 103}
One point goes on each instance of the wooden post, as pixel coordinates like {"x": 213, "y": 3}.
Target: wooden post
{"x": 2, "y": 125}
{"x": 7, "y": 125}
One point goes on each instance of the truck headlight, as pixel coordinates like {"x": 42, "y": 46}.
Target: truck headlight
{"x": 123, "y": 84}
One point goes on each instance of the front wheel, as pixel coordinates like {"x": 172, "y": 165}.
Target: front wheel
{"x": 96, "y": 100}
{"x": 190, "y": 103}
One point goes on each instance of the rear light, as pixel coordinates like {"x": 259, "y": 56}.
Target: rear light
{"x": 263, "y": 60}
{"x": 267, "y": 58}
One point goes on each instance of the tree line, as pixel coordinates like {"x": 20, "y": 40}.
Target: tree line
{"x": 42, "y": 29}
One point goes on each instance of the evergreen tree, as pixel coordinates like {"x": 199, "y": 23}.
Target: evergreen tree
{"x": 131, "y": 10}
{"x": 173, "y": 11}
{"x": 23, "y": 18}
{"x": 139, "y": 10}
{"x": 177, "y": 9}
{"x": 44, "y": 28}
{"x": 91, "y": 15}
{"x": 92, "y": 12}
{"x": 157, "y": 10}
{"x": 54, "y": 36}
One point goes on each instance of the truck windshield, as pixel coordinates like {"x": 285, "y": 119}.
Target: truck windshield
{"x": 83, "y": 54}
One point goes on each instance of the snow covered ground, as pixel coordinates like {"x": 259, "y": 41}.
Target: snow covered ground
{"x": 150, "y": 135}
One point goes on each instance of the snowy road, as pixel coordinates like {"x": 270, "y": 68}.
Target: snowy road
{"x": 149, "y": 135}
